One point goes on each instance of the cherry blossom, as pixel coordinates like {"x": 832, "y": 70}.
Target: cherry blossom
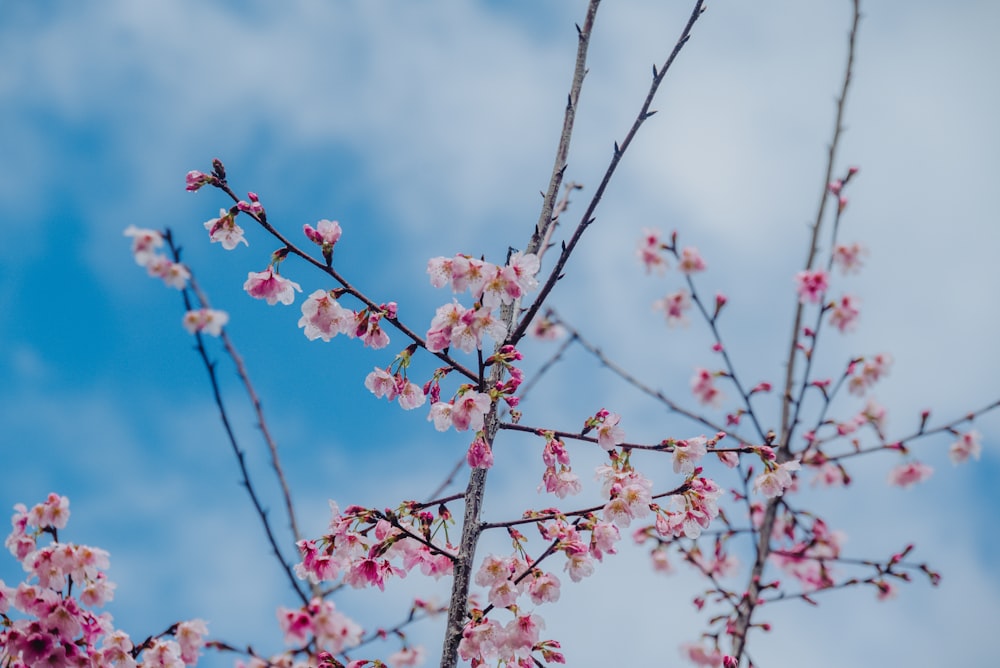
{"x": 909, "y": 474}
{"x": 868, "y": 373}
{"x": 326, "y": 233}
{"x": 967, "y": 445}
{"x": 323, "y": 317}
{"x": 144, "y": 243}
{"x": 205, "y": 320}
{"x": 687, "y": 454}
{"x": 844, "y": 314}
{"x": 848, "y": 258}
{"x": 812, "y": 286}
{"x": 174, "y": 274}
{"x": 609, "y": 434}
{"x": 774, "y": 481}
{"x": 406, "y": 657}
{"x": 480, "y": 456}
{"x": 704, "y": 389}
{"x": 271, "y": 287}
{"x": 469, "y": 410}
{"x": 675, "y": 307}
{"x": 195, "y": 180}
{"x": 224, "y": 230}
{"x": 691, "y": 261}
{"x": 650, "y": 251}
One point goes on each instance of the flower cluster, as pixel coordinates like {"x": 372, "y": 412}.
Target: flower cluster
{"x": 558, "y": 477}
{"x": 58, "y": 629}
{"x": 776, "y": 478}
{"x": 145, "y": 244}
{"x": 366, "y": 547}
{"x": 865, "y": 373}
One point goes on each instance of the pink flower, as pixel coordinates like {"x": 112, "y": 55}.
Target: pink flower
{"x": 703, "y": 387}
{"x": 775, "y": 481}
{"x": 967, "y": 445}
{"x": 52, "y": 513}
{"x": 205, "y": 320}
{"x": 326, "y": 233}
{"x": 441, "y": 414}
{"x": 225, "y": 230}
{"x": 381, "y": 383}
{"x": 650, "y": 251}
{"x": 849, "y": 258}
{"x": 190, "y": 636}
{"x": 812, "y": 285}
{"x": 687, "y": 453}
{"x": 469, "y": 410}
{"x": 609, "y": 434}
{"x": 700, "y": 656}
{"x": 830, "y": 475}
{"x": 544, "y": 588}
{"x": 871, "y": 372}
{"x": 406, "y": 657}
{"x": 544, "y": 329}
{"x": 525, "y": 266}
{"x": 909, "y": 474}
{"x": 411, "y": 396}
{"x": 195, "y": 180}
{"x": 479, "y": 456}
{"x": 323, "y": 317}
{"x": 844, "y": 314}
{"x": 691, "y": 261}
{"x": 271, "y": 287}
{"x": 144, "y": 243}
{"x": 675, "y": 306}
{"x": 174, "y": 274}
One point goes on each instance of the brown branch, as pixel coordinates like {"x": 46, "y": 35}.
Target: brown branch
{"x": 619, "y": 151}
{"x": 743, "y": 620}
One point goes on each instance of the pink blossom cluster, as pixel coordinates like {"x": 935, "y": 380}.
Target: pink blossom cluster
{"x": 910, "y": 473}
{"x": 704, "y": 389}
{"x": 485, "y": 640}
{"x": 490, "y": 285}
{"x": 865, "y": 373}
{"x": 324, "y": 318}
{"x": 209, "y": 321}
{"x": 776, "y": 478}
{"x": 463, "y": 328}
{"x": 629, "y": 493}
{"x": 689, "y": 512}
{"x": 807, "y": 558}
{"x": 558, "y": 477}
{"x": 364, "y": 548}
{"x": 145, "y": 244}
{"x": 384, "y": 383}
{"x": 58, "y": 629}
{"x": 968, "y": 445}
{"x": 321, "y": 623}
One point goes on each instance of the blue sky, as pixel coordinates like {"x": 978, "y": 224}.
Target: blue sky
{"x": 428, "y": 129}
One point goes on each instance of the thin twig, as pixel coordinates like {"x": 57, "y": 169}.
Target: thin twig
{"x": 240, "y": 456}
{"x": 619, "y": 151}
{"x": 743, "y": 620}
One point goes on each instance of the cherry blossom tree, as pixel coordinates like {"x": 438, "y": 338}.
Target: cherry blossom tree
{"x": 720, "y": 489}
